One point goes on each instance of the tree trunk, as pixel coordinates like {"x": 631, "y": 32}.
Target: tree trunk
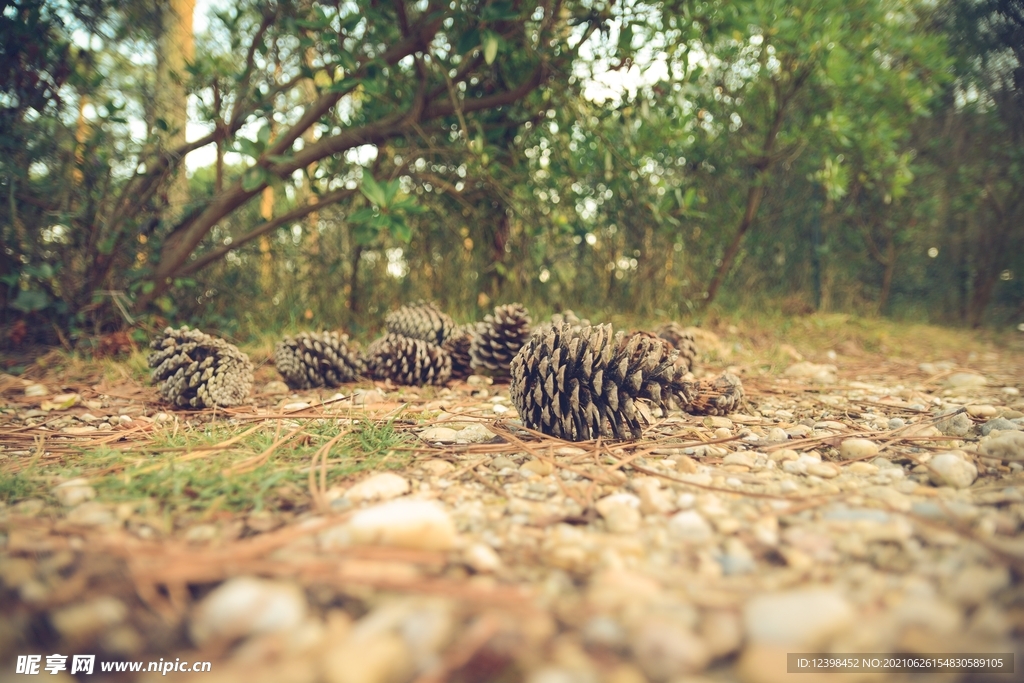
{"x": 890, "y": 267}
{"x": 754, "y": 196}
{"x": 175, "y": 49}
{"x": 353, "y": 288}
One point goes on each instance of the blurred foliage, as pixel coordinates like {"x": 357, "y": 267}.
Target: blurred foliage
{"x": 649, "y": 157}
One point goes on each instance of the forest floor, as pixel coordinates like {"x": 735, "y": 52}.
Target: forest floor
{"x": 869, "y": 497}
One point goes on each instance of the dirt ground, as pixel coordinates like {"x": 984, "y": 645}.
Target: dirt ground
{"x": 868, "y": 498}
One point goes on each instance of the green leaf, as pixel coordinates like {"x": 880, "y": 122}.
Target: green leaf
{"x": 344, "y": 85}
{"x": 372, "y": 190}
{"x": 29, "y": 300}
{"x": 390, "y": 190}
{"x": 400, "y": 230}
{"x": 364, "y": 233}
{"x": 363, "y": 215}
{"x": 469, "y": 40}
{"x": 254, "y": 178}
{"x": 490, "y": 43}
{"x": 499, "y": 11}
{"x": 247, "y": 147}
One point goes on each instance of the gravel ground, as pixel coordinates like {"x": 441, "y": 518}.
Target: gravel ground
{"x": 860, "y": 504}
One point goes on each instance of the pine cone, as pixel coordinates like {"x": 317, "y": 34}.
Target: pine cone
{"x": 556, "y": 320}
{"x": 197, "y": 370}
{"x": 458, "y": 345}
{"x": 422, "y": 320}
{"x": 578, "y": 384}
{"x": 499, "y": 337}
{"x": 717, "y": 396}
{"x": 317, "y": 359}
{"x": 682, "y": 340}
{"x": 405, "y": 360}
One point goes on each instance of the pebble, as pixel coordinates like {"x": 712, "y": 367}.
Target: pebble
{"x": 295, "y": 405}
{"x": 950, "y": 469}
{"x": 895, "y": 423}
{"x": 540, "y": 468}
{"x": 437, "y": 467}
{"x": 439, "y": 435}
{"x": 975, "y": 584}
{"x": 74, "y": 491}
{"x": 93, "y": 514}
{"x": 665, "y": 649}
{"x": 983, "y": 410}
{"x": 621, "y": 512}
{"x": 857, "y": 449}
{"x": 999, "y": 424}
{"x": 826, "y": 470}
{"x": 777, "y": 435}
{"x": 862, "y": 467}
{"x": 502, "y": 463}
{"x": 245, "y": 606}
{"x": 1005, "y": 446}
{"x": 482, "y": 558}
{"x": 36, "y": 390}
{"x": 420, "y": 524}
{"x": 690, "y": 526}
{"x": 956, "y": 425}
{"x": 822, "y": 374}
{"x": 79, "y": 621}
{"x": 722, "y": 631}
{"x": 802, "y": 618}
{"x": 275, "y": 388}
{"x": 380, "y": 658}
{"x": 965, "y": 380}
{"x": 740, "y": 458}
{"x": 474, "y": 433}
{"x": 383, "y": 486}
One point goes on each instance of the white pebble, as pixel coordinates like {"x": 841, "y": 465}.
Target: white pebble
{"x": 690, "y": 526}
{"x": 1005, "y": 446}
{"x": 36, "y": 390}
{"x": 482, "y": 558}
{"x": 856, "y": 449}
{"x": 383, "y": 486}
{"x": 982, "y": 410}
{"x": 73, "y": 492}
{"x": 421, "y": 524}
{"x": 245, "y": 606}
{"x": 777, "y": 435}
{"x": 799, "y": 618}
{"x": 950, "y": 469}
{"x": 86, "y": 618}
{"x": 439, "y": 435}
{"x": 621, "y": 512}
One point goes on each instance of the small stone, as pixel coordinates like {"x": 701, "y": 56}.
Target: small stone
{"x": 685, "y": 464}
{"x": 474, "y": 433}
{"x": 737, "y": 558}
{"x": 124, "y": 419}
{"x": 784, "y": 454}
{"x": 88, "y": 429}
{"x": 621, "y": 512}
{"x": 73, "y": 492}
{"x": 975, "y": 584}
{"x": 502, "y": 463}
{"x": 722, "y": 631}
{"x": 93, "y": 514}
{"x": 537, "y": 467}
{"x": 665, "y": 649}
{"x": 604, "y": 631}
{"x": 161, "y": 417}
{"x": 482, "y": 558}
{"x": 295, "y": 405}
{"x": 896, "y": 423}
{"x": 800, "y": 618}
{"x": 722, "y": 433}
{"x": 857, "y": 449}
{"x": 36, "y": 390}
{"x": 740, "y": 458}
{"x": 275, "y": 388}
{"x": 382, "y": 657}
{"x": 1011, "y": 391}
{"x": 982, "y": 410}
{"x": 437, "y": 467}
{"x": 245, "y": 606}
{"x": 202, "y": 533}
{"x": 718, "y": 422}
{"x": 439, "y": 435}
{"x": 777, "y": 435}
{"x": 958, "y": 424}
{"x": 965, "y": 380}
{"x": 420, "y": 524}
{"x": 654, "y": 500}
{"x": 383, "y": 486}
{"x": 690, "y": 526}
{"x": 799, "y": 431}
{"x": 88, "y": 618}
{"x": 822, "y": 374}
{"x": 950, "y": 469}
{"x": 999, "y": 424}
{"x": 1005, "y": 446}
{"x": 861, "y": 467}
{"x": 826, "y": 470}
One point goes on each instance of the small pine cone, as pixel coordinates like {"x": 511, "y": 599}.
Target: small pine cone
{"x": 498, "y": 339}
{"x": 682, "y": 340}
{"x": 197, "y": 370}
{"x": 317, "y": 359}
{"x": 422, "y": 320}
{"x": 718, "y": 396}
{"x": 405, "y": 360}
{"x": 457, "y": 345}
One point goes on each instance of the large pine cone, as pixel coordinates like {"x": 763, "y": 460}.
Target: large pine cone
{"x": 566, "y": 316}
{"x": 458, "y": 347}
{"x": 498, "y": 339}
{"x": 197, "y": 370}
{"x": 578, "y": 384}
{"x": 405, "y": 360}
{"x": 317, "y": 359}
{"x": 682, "y": 340}
{"x": 420, "y": 321}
